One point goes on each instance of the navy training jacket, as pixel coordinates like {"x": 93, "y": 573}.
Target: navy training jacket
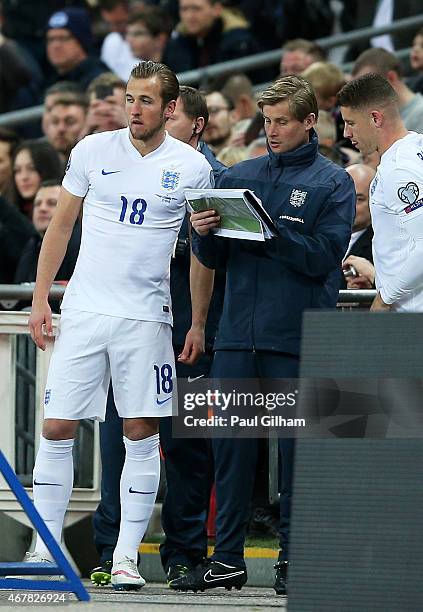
{"x": 268, "y": 285}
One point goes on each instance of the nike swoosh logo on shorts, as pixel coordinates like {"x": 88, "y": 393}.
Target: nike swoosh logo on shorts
{"x": 190, "y": 380}
{"x": 131, "y": 490}
{"x": 104, "y": 173}
{"x": 160, "y": 402}
{"x": 51, "y": 484}
{"x": 215, "y": 577}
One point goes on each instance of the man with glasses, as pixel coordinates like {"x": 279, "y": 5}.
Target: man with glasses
{"x": 69, "y": 43}
{"x": 219, "y": 128}
{"x": 148, "y": 32}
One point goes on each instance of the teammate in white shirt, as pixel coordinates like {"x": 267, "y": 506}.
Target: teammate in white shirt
{"x": 116, "y": 313}
{"x": 369, "y": 106}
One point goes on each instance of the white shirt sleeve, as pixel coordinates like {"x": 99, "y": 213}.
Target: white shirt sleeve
{"x": 404, "y": 197}
{"x": 76, "y": 179}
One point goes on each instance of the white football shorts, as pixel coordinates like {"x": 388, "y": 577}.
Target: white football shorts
{"x": 91, "y": 348}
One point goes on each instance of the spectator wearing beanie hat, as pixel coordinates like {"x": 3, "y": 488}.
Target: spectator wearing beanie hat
{"x": 69, "y": 45}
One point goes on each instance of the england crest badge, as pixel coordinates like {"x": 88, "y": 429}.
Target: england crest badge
{"x": 297, "y": 197}
{"x": 170, "y": 179}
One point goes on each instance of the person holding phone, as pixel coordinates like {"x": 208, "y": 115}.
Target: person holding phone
{"x": 106, "y": 109}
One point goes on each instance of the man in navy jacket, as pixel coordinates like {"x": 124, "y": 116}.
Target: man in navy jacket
{"x": 269, "y": 285}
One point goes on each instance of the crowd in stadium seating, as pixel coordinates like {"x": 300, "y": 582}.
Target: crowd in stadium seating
{"x": 75, "y": 58}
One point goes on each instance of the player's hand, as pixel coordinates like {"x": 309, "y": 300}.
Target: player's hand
{"x": 194, "y": 346}
{"x": 40, "y": 315}
{"x": 365, "y": 270}
{"x": 204, "y": 221}
{"x": 379, "y": 305}
{"x": 358, "y": 282}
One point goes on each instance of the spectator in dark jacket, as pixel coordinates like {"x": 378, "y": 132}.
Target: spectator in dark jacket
{"x": 206, "y": 34}
{"x": 24, "y": 21}
{"x": 9, "y": 140}
{"x": 69, "y": 44}
{"x": 362, "y": 231}
{"x": 45, "y": 203}
{"x": 14, "y": 73}
{"x": 359, "y": 14}
{"x": 15, "y": 231}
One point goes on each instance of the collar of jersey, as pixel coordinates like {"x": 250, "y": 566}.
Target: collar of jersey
{"x": 133, "y": 151}
{"x": 394, "y": 146}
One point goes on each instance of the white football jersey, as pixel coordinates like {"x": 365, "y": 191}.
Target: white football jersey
{"x": 396, "y": 204}
{"x": 133, "y": 209}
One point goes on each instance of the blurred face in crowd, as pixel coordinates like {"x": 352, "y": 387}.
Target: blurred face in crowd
{"x": 256, "y": 150}
{"x": 283, "y": 131}
{"x": 5, "y": 164}
{"x": 360, "y": 129}
{"x": 143, "y": 44}
{"x": 144, "y": 108}
{"x": 27, "y": 179}
{"x": 44, "y": 206}
{"x": 416, "y": 54}
{"x": 109, "y": 112}
{"x": 294, "y": 62}
{"x": 218, "y": 129}
{"x": 63, "y": 50}
{"x": 64, "y": 126}
{"x": 116, "y": 18}
{"x": 48, "y": 105}
{"x": 362, "y": 176}
{"x": 198, "y": 16}
{"x": 181, "y": 126}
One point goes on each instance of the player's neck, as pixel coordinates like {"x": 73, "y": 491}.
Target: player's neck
{"x": 144, "y": 147}
{"x": 390, "y": 137}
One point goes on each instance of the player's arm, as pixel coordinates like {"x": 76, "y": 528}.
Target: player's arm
{"x": 52, "y": 252}
{"x": 410, "y": 275}
{"x": 201, "y": 284}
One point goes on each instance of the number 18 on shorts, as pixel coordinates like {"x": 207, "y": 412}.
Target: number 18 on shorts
{"x": 91, "y": 349}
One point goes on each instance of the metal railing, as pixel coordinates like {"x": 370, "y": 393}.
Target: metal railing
{"x": 24, "y": 292}
{"x": 259, "y": 60}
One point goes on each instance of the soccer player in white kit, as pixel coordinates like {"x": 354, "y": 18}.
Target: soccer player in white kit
{"x": 369, "y": 107}
{"x": 116, "y": 313}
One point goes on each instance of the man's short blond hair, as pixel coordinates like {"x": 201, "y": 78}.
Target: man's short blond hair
{"x": 297, "y": 91}
{"x": 325, "y": 78}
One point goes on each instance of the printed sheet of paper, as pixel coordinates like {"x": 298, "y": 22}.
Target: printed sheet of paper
{"x": 241, "y": 213}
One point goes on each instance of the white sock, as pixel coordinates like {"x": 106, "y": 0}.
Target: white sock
{"x": 53, "y": 471}
{"x": 138, "y": 489}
